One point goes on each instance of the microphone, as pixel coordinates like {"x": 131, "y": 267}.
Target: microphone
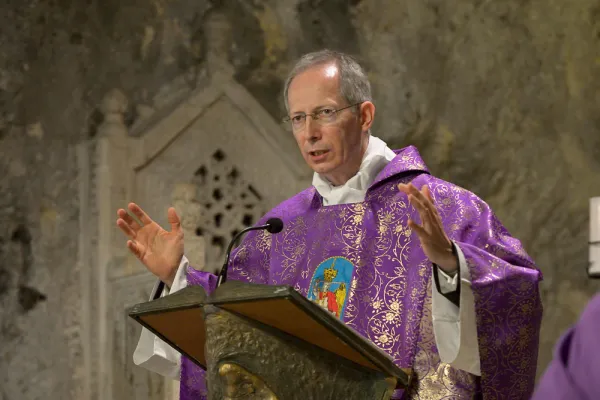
{"x": 273, "y": 225}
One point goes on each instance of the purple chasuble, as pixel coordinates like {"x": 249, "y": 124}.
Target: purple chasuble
{"x": 362, "y": 263}
{"x": 574, "y": 373}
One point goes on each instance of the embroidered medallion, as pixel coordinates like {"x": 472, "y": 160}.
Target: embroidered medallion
{"x": 330, "y": 285}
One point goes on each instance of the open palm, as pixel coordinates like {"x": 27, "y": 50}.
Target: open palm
{"x": 159, "y": 250}
{"x": 436, "y": 244}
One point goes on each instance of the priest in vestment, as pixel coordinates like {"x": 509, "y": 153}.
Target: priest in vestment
{"x": 419, "y": 266}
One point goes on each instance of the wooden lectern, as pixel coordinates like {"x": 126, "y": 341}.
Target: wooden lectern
{"x": 270, "y": 342}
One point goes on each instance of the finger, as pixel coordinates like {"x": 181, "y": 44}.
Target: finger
{"x": 430, "y": 220}
{"x": 427, "y": 193}
{"x": 136, "y": 248}
{"x": 435, "y": 214}
{"x": 431, "y": 204}
{"x": 426, "y": 200}
{"x": 429, "y": 197}
{"x": 421, "y": 195}
{"x": 421, "y": 232}
{"x": 126, "y": 228}
{"x": 403, "y": 188}
{"x": 125, "y": 216}
{"x": 410, "y": 189}
{"x": 425, "y": 208}
{"x": 421, "y": 209}
{"x": 173, "y": 219}
{"x": 138, "y": 212}
{"x": 418, "y": 203}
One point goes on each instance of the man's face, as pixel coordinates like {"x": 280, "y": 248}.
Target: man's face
{"x": 334, "y": 149}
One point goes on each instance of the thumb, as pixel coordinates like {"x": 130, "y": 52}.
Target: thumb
{"x": 135, "y": 248}
{"x": 173, "y": 219}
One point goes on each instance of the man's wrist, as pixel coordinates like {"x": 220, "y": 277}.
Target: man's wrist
{"x": 170, "y": 279}
{"x": 451, "y": 266}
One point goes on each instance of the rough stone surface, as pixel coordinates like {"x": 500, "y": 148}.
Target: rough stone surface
{"x": 500, "y": 97}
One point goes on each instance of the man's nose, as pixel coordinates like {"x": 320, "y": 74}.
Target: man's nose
{"x": 313, "y": 129}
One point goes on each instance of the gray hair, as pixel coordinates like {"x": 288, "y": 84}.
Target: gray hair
{"x": 354, "y": 84}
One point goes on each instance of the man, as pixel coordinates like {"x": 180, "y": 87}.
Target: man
{"x": 366, "y": 241}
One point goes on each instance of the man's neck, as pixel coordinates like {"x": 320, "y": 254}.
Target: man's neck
{"x": 354, "y": 189}
{"x": 342, "y": 178}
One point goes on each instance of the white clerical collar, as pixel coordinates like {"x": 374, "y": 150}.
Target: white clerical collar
{"x": 377, "y": 156}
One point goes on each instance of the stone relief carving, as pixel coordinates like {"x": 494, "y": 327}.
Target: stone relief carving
{"x": 219, "y": 39}
{"x": 113, "y": 107}
{"x": 229, "y": 204}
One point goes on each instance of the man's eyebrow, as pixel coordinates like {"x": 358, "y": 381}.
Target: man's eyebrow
{"x": 323, "y": 106}
{"x": 320, "y": 107}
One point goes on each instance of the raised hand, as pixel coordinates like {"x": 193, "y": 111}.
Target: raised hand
{"x": 159, "y": 250}
{"x": 436, "y": 244}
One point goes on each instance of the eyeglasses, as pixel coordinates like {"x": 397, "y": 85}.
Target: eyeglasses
{"x": 324, "y": 116}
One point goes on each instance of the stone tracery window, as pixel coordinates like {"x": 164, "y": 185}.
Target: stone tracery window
{"x": 228, "y": 202}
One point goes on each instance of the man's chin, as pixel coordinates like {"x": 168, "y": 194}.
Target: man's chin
{"x": 321, "y": 169}
{"x": 324, "y": 167}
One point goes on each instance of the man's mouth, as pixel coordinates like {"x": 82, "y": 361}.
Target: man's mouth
{"x": 317, "y": 152}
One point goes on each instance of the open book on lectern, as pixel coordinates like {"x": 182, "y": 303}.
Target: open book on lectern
{"x": 178, "y": 319}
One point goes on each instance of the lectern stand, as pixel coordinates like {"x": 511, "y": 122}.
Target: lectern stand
{"x": 270, "y": 342}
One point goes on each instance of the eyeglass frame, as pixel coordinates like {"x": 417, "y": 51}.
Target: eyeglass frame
{"x": 315, "y": 116}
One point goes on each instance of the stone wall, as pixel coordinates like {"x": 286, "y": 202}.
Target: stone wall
{"x": 500, "y": 97}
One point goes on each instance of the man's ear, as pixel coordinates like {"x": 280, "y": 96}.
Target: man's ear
{"x": 367, "y": 115}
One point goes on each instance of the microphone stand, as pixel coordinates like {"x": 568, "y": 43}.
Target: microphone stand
{"x": 273, "y": 225}
{"x": 223, "y": 272}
